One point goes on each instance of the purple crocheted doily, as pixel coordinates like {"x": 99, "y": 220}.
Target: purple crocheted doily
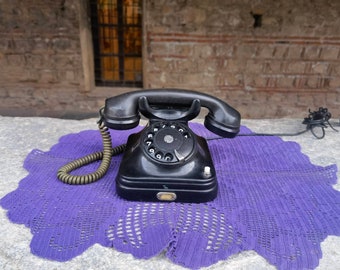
{"x": 271, "y": 199}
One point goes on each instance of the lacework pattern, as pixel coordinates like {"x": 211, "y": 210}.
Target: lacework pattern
{"x": 271, "y": 199}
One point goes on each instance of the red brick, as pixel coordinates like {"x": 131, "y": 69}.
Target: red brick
{"x": 286, "y": 81}
{"x": 273, "y": 66}
{"x": 334, "y": 82}
{"x": 319, "y": 99}
{"x": 203, "y": 51}
{"x": 183, "y": 65}
{"x": 264, "y": 51}
{"x": 311, "y": 52}
{"x": 263, "y": 81}
{"x": 232, "y": 79}
{"x": 333, "y": 97}
{"x": 246, "y": 51}
{"x": 261, "y": 97}
{"x": 329, "y": 53}
{"x": 303, "y": 99}
{"x": 335, "y": 69}
{"x": 272, "y": 82}
{"x": 320, "y": 67}
{"x": 162, "y": 64}
{"x": 234, "y": 65}
{"x": 207, "y": 79}
{"x": 186, "y": 50}
{"x": 255, "y": 66}
{"x": 225, "y": 50}
{"x": 301, "y": 82}
{"x": 325, "y": 82}
{"x": 195, "y": 79}
{"x": 296, "y": 67}
{"x": 295, "y": 52}
{"x": 277, "y": 98}
{"x": 162, "y": 49}
{"x": 280, "y": 52}
{"x": 312, "y": 82}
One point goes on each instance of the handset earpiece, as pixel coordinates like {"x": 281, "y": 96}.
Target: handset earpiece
{"x": 217, "y": 127}
{"x": 121, "y": 112}
{"x": 223, "y": 120}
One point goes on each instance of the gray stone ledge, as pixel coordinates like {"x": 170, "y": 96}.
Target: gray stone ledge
{"x": 20, "y": 135}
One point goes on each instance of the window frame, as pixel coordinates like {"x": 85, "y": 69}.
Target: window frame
{"x": 122, "y": 55}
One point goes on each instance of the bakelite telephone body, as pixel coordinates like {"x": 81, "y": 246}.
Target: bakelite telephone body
{"x": 167, "y": 161}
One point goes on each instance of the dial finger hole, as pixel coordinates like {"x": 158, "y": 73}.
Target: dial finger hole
{"x": 159, "y": 155}
{"x": 168, "y": 157}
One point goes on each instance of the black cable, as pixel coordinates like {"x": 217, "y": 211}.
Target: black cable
{"x": 275, "y": 134}
{"x": 265, "y": 135}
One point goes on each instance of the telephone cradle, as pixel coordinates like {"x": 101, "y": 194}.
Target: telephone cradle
{"x": 166, "y": 161}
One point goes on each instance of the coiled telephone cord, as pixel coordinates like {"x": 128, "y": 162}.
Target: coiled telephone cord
{"x": 105, "y": 155}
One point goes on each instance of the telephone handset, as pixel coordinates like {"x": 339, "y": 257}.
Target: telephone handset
{"x": 166, "y": 161}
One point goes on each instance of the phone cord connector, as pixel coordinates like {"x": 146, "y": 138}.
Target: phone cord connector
{"x": 105, "y": 155}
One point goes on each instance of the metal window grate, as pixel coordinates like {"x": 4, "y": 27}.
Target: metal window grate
{"x": 117, "y": 42}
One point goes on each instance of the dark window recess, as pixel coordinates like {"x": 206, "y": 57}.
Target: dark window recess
{"x": 117, "y": 42}
{"x": 257, "y": 20}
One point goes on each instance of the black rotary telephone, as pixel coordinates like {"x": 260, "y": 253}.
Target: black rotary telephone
{"x": 165, "y": 161}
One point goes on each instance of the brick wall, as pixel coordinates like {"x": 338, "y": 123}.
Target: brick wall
{"x": 40, "y": 59}
{"x": 280, "y": 77}
{"x": 286, "y": 64}
{"x": 267, "y": 59}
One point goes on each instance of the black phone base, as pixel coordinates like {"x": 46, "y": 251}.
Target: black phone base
{"x": 161, "y": 164}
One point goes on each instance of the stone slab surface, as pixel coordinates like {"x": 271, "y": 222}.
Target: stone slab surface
{"x": 19, "y": 135}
